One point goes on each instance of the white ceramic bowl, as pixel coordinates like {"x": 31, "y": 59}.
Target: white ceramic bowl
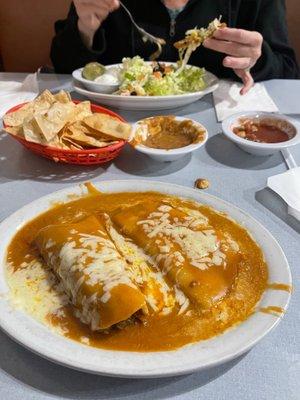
{"x": 290, "y": 125}
{"x": 174, "y": 154}
{"x": 198, "y": 356}
{"x": 84, "y": 87}
{"x": 95, "y": 86}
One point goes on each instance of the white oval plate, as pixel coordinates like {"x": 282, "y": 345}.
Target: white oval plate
{"x": 41, "y": 340}
{"x": 143, "y": 102}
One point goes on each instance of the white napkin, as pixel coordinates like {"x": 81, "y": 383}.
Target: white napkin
{"x": 287, "y": 185}
{"x": 13, "y": 93}
{"x": 228, "y": 100}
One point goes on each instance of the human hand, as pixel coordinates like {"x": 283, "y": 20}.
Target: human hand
{"x": 91, "y": 14}
{"x": 243, "y": 49}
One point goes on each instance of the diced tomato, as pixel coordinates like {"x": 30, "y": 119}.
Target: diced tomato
{"x": 168, "y": 69}
{"x": 157, "y": 74}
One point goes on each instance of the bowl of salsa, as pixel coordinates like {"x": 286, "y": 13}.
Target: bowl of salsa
{"x": 262, "y": 134}
{"x": 166, "y": 138}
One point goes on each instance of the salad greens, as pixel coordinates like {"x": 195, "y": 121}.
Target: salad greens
{"x": 142, "y": 78}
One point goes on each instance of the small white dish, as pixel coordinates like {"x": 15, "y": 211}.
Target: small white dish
{"x": 194, "y": 357}
{"x": 289, "y": 125}
{"x": 173, "y": 154}
{"x": 98, "y": 86}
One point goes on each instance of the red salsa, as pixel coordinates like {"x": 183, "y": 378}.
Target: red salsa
{"x": 261, "y": 132}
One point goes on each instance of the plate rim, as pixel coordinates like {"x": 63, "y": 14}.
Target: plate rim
{"x": 178, "y": 370}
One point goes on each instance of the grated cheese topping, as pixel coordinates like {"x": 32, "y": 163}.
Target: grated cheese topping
{"x": 92, "y": 260}
{"x": 189, "y": 229}
{"x": 145, "y": 273}
{"x": 184, "y": 230}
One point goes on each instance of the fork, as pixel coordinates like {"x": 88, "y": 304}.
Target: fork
{"x": 145, "y": 35}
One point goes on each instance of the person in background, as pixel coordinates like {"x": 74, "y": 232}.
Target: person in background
{"x": 253, "y": 47}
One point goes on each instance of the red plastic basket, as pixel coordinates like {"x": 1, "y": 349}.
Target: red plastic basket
{"x": 81, "y": 157}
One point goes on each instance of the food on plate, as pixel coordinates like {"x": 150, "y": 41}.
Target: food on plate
{"x": 109, "y": 76}
{"x": 108, "y": 126}
{"x": 138, "y": 271}
{"x": 194, "y": 38}
{"x": 91, "y": 270}
{"x": 55, "y": 120}
{"x": 93, "y": 70}
{"x": 137, "y": 77}
{"x": 141, "y": 78}
{"x": 202, "y": 183}
{"x": 267, "y": 130}
{"x": 166, "y": 132}
{"x": 180, "y": 240}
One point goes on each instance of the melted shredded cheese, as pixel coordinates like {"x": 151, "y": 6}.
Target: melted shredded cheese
{"x": 34, "y": 289}
{"x": 190, "y": 229}
{"x": 144, "y": 273}
{"x": 92, "y": 260}
{"x": 195, "y": 244}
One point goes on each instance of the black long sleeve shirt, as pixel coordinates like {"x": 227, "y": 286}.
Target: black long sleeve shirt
{"x": 117, "y": 38}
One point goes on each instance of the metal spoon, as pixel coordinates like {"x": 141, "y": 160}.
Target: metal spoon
{"x": 145, "y": 35}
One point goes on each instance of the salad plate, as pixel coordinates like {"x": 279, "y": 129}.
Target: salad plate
{"x": 94, "y": 91}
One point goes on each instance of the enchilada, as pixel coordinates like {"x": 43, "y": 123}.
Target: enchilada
{"x": 173, "y": 309}
{"x": 196, "y": 257}
{"x": 93, "y": 273}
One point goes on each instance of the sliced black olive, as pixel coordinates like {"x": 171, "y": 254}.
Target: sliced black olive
{"x": 161, "y": 67}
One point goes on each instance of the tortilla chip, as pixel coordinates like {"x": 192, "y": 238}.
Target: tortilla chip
{"x": 32, "y": 132}
{"x": 97, "y": 134}
{"x": 17, "y": 118}
{"x": 14, "y": 130}
{"x": 41, "y": 107}
{"x": 81, "y": 111}
{"x": 56, "y": 143}
{"x": 54, "y": 120}
{"x": 71, "y": 144}
{"x": 62, "y": 97}
{"x": 79, "y": 127}
{"x": 78, "y": 135}
{"x": 108, "y": 126}
{"x": 46, "y": 96}
{"x": 43, "y": 102}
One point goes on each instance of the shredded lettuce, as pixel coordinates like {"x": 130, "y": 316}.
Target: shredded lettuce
{"x": 137, "y": 77}
{"x": 191, "y": 79}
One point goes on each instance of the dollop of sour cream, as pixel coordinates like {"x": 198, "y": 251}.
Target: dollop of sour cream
{"x": 110, "y": 77}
